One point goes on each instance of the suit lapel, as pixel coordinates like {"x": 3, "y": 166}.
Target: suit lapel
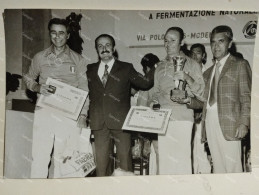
{"x": 226, "y": 66}
{"x": 95, "y": 73}
{"x": 207, "y": 87}
{"x": 115, "y": 68}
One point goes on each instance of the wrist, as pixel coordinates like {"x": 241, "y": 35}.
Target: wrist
{"x": 243, "y": 125}
{"x": 189, "y": 80}
{"x": 188, "y": 100}
{"x": 36, "y": 88}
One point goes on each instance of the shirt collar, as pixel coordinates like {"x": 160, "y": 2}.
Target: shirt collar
{"x": 110, "y": 63}
{"x": 223, "y": 60}
{"x": 50, "y": 50}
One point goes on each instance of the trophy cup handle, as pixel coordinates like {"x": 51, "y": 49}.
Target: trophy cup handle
{"x": 177, "y": 84}
{"x": 184, "y": 85}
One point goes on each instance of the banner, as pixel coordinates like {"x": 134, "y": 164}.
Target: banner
{"x": 150, "y": 26}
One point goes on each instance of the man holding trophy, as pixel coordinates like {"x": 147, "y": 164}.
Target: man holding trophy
{"x": 177, "y": 78}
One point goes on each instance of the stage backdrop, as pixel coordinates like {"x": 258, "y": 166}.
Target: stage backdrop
{"x": 139, "y": 32}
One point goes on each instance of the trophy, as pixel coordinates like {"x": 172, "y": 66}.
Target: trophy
{"x": 177, "y": 93}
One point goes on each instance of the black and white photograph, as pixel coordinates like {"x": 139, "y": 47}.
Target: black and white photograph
{"x": 95, "y": 93}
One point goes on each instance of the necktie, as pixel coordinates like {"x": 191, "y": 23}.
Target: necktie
{"x": 214, "y": 85}
{"x": 105, "y": 75}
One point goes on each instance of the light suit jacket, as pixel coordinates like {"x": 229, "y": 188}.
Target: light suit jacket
{"x": 233, "y": 97}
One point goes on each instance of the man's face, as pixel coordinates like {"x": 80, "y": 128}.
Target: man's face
{"x": 58, "y": 35}
{"x": 219, "y": 45}
{"x": 197, "y": 55}
{"x": 105, "y": 49}
{"x": 172, "y": 43}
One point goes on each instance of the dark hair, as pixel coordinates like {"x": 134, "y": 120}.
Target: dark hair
{"x": 60, "y": 22}
{"x": 202, "y": 47}
{"x": 223, "y": 29}
{"x": 149, "y": 60}
{"x": 178, "y": 29}
{"x": 185, "y": 50}
{"x": 107, "y": 36}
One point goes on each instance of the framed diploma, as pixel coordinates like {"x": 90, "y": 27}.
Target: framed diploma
{"x": 145, "y": 119}
{"x": 65, "y": 99}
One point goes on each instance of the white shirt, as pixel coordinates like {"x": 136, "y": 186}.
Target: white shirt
{"x": 102, "y": 67}
{"x": 222, "y": 62}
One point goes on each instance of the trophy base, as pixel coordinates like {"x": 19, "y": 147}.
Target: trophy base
{"x": 178, "y": 94}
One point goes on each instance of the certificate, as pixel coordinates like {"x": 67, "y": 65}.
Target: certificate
{"x": 145, "y": 119}
{"x": 66, "y": 100}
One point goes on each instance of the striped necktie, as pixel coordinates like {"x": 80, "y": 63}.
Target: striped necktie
{"x": 105, "y": 75}
{"x": 214, "y": 86}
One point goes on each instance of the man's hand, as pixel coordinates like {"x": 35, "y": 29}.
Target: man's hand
{"x": 180, "y": 75}
{"x": 44, "y": 90}
{"x": 154, "y": 105}
{"x": 81, "y": 122}
{"x": 180, "y": 100}
{"x": 183, "y": 76}
{"x": 242, "y": 130}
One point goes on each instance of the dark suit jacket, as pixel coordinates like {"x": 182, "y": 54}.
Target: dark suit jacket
{"x": 233, "y": 96}
{"x": 111, "y": 104}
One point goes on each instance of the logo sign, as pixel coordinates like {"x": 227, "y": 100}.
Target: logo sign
{"x": 249, "y": 30}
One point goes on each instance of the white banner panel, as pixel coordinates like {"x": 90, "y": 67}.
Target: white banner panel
{"x": 147, "y": 28}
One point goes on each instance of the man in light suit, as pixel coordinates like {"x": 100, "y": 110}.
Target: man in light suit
{"x": 226, "y": 110}
{"x": 110, "y": 82}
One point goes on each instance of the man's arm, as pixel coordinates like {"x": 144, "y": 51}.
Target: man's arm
{"x": 155, "y": 90}
{"x": 245, "y": 76}
{"x": 193, "y": 76}
{"x": 140, "y": 81}
{"x": 83, "y": 84}
{"x": 195, "y": 103}
{"x": 30, "y": 77}
{"x": 195, "y": 80}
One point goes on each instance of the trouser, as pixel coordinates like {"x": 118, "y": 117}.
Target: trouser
{"x": 226, "y": 155}
{"x": 174, "y": 149}
{"x": 103, "y": 141}
{"x": 201, "y": 163}
{"x": 154, "y": 158}
{"x": 155, "y": 145}
{"x": 51, "y": 130}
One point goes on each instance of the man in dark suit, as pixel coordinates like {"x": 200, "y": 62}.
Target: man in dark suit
{"x": 110, "y": 82}
{"x": 226, "y": 110}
